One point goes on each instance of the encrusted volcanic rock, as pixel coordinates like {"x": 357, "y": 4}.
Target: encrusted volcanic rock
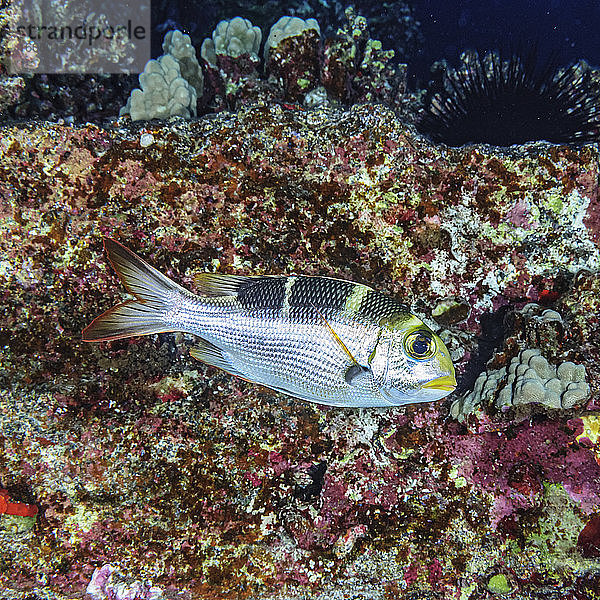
{"x": 211, "y": 487}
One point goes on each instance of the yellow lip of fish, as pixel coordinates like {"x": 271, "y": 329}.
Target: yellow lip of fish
{"x": 446, "y": 383}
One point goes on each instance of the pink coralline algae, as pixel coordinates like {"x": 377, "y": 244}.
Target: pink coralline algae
{"x": 515, "y": 465}
{"x": 154, "y": 473}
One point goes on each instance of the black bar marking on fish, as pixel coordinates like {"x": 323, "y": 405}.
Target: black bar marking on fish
{"x": 320, "y": 292}
{"x": 262, "y": 292}
{"x": 377, "y": 306}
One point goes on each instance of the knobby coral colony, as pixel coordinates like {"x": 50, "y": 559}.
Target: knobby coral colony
{"x": 498, "y": 101}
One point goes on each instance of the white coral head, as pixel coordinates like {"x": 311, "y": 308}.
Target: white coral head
{"x": 288, "y": 27}
{"x": 164, "y": 92}
{"x": 233, "y": 38}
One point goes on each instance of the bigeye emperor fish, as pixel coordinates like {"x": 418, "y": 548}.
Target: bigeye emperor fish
{"x": 320, "y": 339}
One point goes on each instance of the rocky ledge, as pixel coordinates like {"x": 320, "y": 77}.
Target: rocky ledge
{"x": 156, "y": 476}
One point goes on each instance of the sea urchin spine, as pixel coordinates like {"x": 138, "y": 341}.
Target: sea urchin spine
{"x": 504, "y": 102}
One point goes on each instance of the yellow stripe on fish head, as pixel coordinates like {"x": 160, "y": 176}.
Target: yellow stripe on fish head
{"x": 400, "y": 322}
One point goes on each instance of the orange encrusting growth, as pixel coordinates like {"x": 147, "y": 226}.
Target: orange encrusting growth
{"x": 17, "y": 509}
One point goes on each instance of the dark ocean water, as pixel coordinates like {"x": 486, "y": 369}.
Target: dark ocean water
{"x": 564, "y": 29}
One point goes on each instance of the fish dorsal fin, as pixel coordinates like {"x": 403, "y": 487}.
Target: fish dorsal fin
{"x": 219, "y": 284}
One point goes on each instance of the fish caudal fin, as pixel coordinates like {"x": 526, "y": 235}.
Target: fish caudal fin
{"x": 154, "y": 296}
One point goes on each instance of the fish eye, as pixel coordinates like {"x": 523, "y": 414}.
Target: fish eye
{"x": 419, "y": 345}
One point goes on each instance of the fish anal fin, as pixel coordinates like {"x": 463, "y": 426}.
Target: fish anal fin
{"x": 212, "y": 355}
{"x": 219, "y": 284}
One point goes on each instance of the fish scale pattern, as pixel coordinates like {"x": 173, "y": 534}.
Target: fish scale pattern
{"x": 320, "y": 292}
{"x": 262, "y": 292}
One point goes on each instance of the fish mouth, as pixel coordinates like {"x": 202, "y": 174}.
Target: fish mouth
{"x": 446, "y": 383}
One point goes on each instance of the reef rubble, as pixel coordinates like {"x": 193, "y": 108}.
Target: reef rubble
{"x": 155, "y": 473}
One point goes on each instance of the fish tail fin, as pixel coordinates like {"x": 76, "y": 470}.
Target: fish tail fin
{"x": 154, "y": 296}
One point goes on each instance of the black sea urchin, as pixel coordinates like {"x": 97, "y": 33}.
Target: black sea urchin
{"x": 503, "y": 102}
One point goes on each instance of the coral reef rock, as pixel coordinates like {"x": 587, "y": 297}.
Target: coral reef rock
{"x": 529, "y": 378}
{"x": 356, "y": 68}
{"x": 292, "y": 55}
{"x": 288, "y": 27}
{"x": 348, "y": 68}
{"x": 186, "y": 479}
{"x": 106, "y": 583}
{"x": 232, "y": 63}
{"x": 10, "y": 91}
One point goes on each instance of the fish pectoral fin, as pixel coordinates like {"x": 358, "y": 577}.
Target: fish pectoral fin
{"x": 219, "y": 284}
{"x": 356, "y": 373}
{"x": 211, "y": 355}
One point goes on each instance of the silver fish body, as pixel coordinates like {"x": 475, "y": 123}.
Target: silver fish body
{"x": 319, "y": 339}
